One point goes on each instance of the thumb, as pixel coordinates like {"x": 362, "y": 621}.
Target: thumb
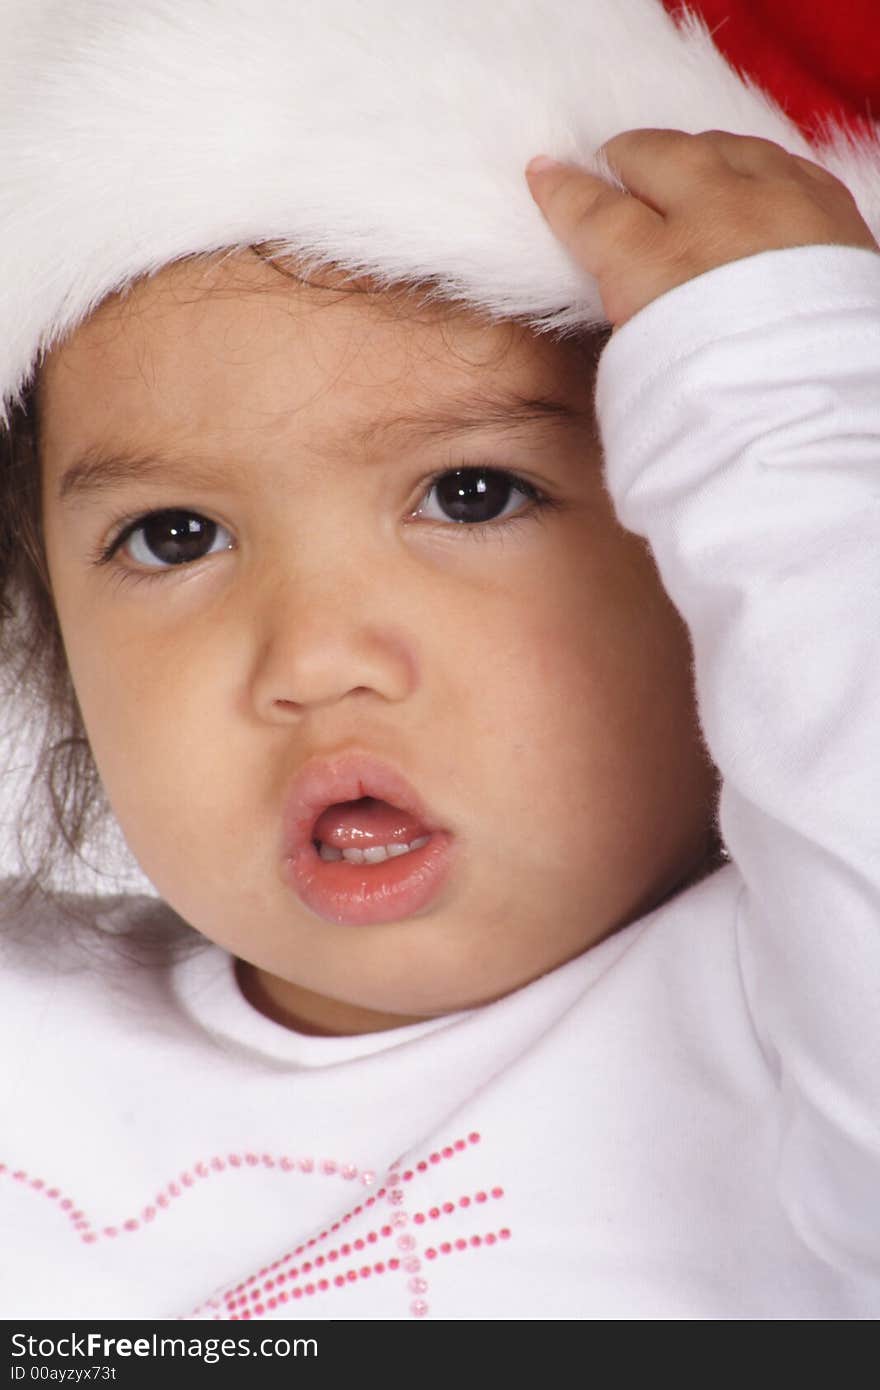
{"x": 591, "y": 215}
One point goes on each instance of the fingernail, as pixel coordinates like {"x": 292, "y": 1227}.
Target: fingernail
{"x": 541, "y": 164}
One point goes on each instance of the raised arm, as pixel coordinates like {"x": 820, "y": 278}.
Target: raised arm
{"x": 740, "y": 414}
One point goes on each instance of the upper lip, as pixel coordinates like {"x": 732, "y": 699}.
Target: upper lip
{"x": 321, "y": 782}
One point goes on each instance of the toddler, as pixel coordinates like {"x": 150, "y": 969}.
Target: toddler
{"x": 429, "y": 633}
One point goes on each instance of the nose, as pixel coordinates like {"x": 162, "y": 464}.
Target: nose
{"x": 322, "y": 642}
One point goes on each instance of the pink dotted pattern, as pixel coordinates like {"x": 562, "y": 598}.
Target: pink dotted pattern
{"x": 78, "y": 1220}
{"x": 327, "y": 1262}
{"x": 189, "y": 1178}
{"x": 390, "y": 1248}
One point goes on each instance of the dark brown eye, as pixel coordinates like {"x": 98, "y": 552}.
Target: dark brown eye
{"x": 477, "y": 494}
{"x": 173, "y": 538}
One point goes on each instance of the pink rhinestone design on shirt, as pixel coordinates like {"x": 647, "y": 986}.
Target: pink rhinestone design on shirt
{"x": 322, "y": 1263}
{"x": 163, "y": 1200}
{"x": 330, "y": 1265}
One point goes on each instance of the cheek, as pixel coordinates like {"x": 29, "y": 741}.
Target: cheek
{"x": 592, "y": 639}
{"x": 151, "y": 704}
{"x": 577, "y": 687}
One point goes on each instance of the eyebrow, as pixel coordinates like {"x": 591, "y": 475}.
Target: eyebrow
{"x": 97, "y": 471}
{"x": 488, "y": 411}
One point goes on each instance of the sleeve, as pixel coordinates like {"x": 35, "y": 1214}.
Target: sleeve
{"x": 740, "y": 416}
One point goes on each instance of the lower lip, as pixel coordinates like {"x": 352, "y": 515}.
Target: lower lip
{"x": 359, "y": 895}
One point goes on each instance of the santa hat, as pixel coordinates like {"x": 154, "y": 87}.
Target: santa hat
{"x": 386, "y": 138}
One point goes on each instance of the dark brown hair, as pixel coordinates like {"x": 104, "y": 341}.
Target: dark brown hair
{"x": 42, "y": 724}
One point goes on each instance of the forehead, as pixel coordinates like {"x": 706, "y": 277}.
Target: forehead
{"x": 233, "y": 343}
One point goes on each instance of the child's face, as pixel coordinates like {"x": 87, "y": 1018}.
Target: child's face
{"x": 529, "y": 678}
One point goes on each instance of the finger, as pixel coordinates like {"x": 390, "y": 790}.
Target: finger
{"x": 663, "y": 167}
{"x": 660, "y": 167}
{"x": 590, "y": 217}
{"x": 750, "y": 154}
{"x": 755, "y": 157}
{"x": 816, "y": 171}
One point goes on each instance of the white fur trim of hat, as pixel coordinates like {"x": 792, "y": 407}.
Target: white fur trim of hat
{"x": 386, "y": 137}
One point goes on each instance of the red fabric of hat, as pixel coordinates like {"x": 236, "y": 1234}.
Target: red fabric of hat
{"x": 818, "y": 59}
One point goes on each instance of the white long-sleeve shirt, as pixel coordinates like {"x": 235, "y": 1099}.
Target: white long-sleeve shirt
{"x": 682, "y": 1123}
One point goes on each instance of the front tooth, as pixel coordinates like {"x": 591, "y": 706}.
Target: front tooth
{"x": 375, "y": 854}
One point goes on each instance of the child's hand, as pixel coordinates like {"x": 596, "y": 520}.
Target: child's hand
{"x": 692, "y": 202}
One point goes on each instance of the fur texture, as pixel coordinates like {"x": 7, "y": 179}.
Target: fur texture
{"x": 384, "y": 138}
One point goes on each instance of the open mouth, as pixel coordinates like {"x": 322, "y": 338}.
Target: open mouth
{"x": 360, "y": 846}
{"x": 367, "y": 831}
